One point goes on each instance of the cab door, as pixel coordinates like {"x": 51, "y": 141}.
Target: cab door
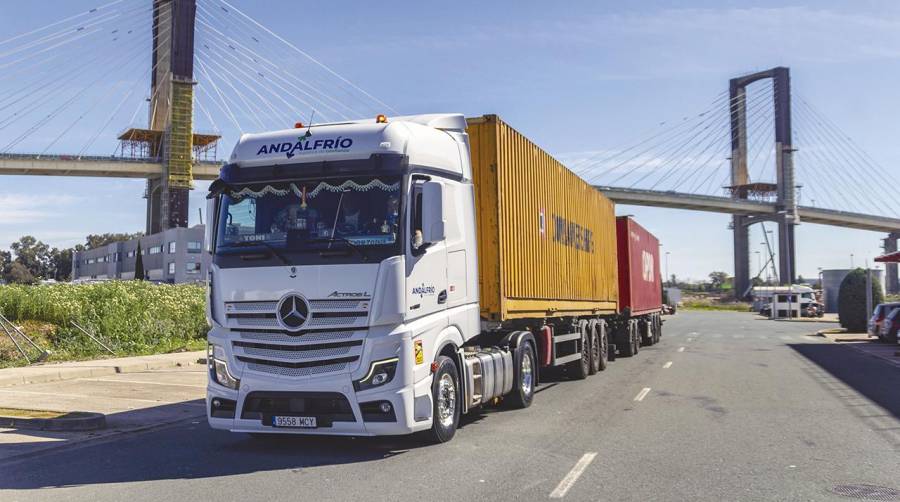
{"x": 426, "y": 262}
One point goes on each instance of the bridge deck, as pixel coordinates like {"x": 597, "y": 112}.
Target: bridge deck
{"x": 677, "y": 200}
{"x": 101, "y": 167}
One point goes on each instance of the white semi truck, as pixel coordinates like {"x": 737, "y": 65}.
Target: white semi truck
{"x": 352, "y": 292}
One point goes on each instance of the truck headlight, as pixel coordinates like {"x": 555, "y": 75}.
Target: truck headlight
{"x": 380, "y": 373}
{"x": 218, "y": 367}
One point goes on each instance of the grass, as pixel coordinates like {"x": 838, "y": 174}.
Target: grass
{"x": 131, "y": 317}
{"x": 708, "y": 304}
{"x": 17, "y": 413}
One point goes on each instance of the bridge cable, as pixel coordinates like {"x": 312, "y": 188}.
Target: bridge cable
{"x": 668, "y": 134}
{"x": 307, "y": 56}
{"x": 236, "y": 53}
{"x": 274, "y": 69}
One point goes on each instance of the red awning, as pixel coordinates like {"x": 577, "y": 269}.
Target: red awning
{"x": 889, "y": 258}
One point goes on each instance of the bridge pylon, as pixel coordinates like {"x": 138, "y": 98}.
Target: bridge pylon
{"x": 171, "y": 112}
{"x": 784, "y": 188}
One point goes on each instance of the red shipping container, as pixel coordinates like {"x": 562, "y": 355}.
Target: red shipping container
{"x": 640, "y": 287}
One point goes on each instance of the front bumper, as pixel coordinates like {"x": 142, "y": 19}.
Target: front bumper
{"x": 410, "y": 400}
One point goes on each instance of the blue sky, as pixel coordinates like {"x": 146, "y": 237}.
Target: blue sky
{"x": 579, "y": 76}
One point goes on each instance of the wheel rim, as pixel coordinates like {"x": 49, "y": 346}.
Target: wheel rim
{"x": 527, "y": 373}
{"x": 446, "y": 400}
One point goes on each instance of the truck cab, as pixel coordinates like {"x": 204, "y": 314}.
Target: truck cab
{"x": 341, "y": 269}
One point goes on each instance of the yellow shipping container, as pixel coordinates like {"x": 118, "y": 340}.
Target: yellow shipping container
{"x": 546, "y": 239}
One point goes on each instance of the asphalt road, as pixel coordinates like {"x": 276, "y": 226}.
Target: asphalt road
{"x": 726, "y": 407}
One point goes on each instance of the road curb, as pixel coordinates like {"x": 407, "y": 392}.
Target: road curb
{"x": 59, "y": 372}
{"x": 78, "y": 421}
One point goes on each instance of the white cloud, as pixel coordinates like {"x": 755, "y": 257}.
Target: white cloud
{"x": 16, "y": 209}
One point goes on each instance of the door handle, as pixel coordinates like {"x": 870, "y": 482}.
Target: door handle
{"x": 442, "y": 296}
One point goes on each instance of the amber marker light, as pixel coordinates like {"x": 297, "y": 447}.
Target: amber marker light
{"x": 381, "y": 119}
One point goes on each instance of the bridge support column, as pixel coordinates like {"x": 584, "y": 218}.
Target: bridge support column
{"x": 891, "y": 280}
{"x": 784, "y": 169}
{"x": 741, "y": 255}
{"x": 171, "y": 111}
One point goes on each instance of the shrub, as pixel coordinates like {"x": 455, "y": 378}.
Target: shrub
{"x": 852, "y": 300}
{"x": 135, "y": 317}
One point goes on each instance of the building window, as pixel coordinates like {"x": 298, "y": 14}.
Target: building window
{"x": 155, "y": 250}
{"x": 172, "y": 247}
{"x": 91, "y": 261}
{"x": 172, "y": 268}
{"x": 194, "y": 246}
{"x": 132, "y": 253}
{"x": 192, "y": 268}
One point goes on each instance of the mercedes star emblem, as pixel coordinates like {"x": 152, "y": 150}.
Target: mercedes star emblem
{"x": 292, "y": 312}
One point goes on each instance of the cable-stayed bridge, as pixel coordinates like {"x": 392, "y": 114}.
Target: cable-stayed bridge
{"x": 79, "y": 85}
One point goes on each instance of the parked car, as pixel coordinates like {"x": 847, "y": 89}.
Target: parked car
{"x": 889, "y": 327}
{"x": 878, "y": 315}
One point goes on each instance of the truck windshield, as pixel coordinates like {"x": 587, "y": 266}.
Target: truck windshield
{"x": 359, "y": 214}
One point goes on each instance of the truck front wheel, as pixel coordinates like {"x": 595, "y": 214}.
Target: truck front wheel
{"x": 523, "y": 392}
{"x": 445, "y": 393}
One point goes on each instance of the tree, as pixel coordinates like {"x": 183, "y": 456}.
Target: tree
{"x": 19, "y": 274}
{"x": 139, "y": 264}
{"x": 717, "y": 280}
{"x": 34, "y": 255}
{"x": 852, "y": 300}
{"x": 61, "y": 262}
{"x": 99, "y": 240}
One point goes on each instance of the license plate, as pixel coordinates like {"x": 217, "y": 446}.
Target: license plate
{"x": 300, "y": 422}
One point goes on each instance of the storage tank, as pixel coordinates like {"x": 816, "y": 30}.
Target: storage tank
{"x": 831, "y": 285}
{"x": 546, "y": 239}
{"x": 640, "y": 289}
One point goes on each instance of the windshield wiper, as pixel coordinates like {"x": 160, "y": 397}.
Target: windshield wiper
{"x": 349, "y": 243}
{"x": 272, "y": 249}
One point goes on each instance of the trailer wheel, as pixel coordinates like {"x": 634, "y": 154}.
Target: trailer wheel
{"x": 446, "y": 396}
{"x": 625, "y": 340}
{"x": 633, "y": 327}
{"x": 645, "y": 328}
{"x": 525, "y": 381}
{"x": 604, "y": 358}
{"x": 594, "y": 338}
{"x": 580, "y": 368}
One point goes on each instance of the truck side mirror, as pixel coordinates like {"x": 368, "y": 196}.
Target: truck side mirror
{"x": 432, "y": 212}
{"x": 211, "y": 217}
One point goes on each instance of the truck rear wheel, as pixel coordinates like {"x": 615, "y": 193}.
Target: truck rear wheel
{"x": 604, "y": 358}
{"x": 580, "y": 368}
{"x": 445, "y": 392}
{"x": 523, "y": 389}
{"x": 594, "y": 338}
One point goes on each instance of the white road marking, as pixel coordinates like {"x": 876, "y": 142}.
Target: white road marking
{"x": 680, "y": 349}
{"x": 563, "y": 487}
{"x": 642, "y": 394}
{"x": 667, "y": 365}
{"x": 138, "y": 382}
